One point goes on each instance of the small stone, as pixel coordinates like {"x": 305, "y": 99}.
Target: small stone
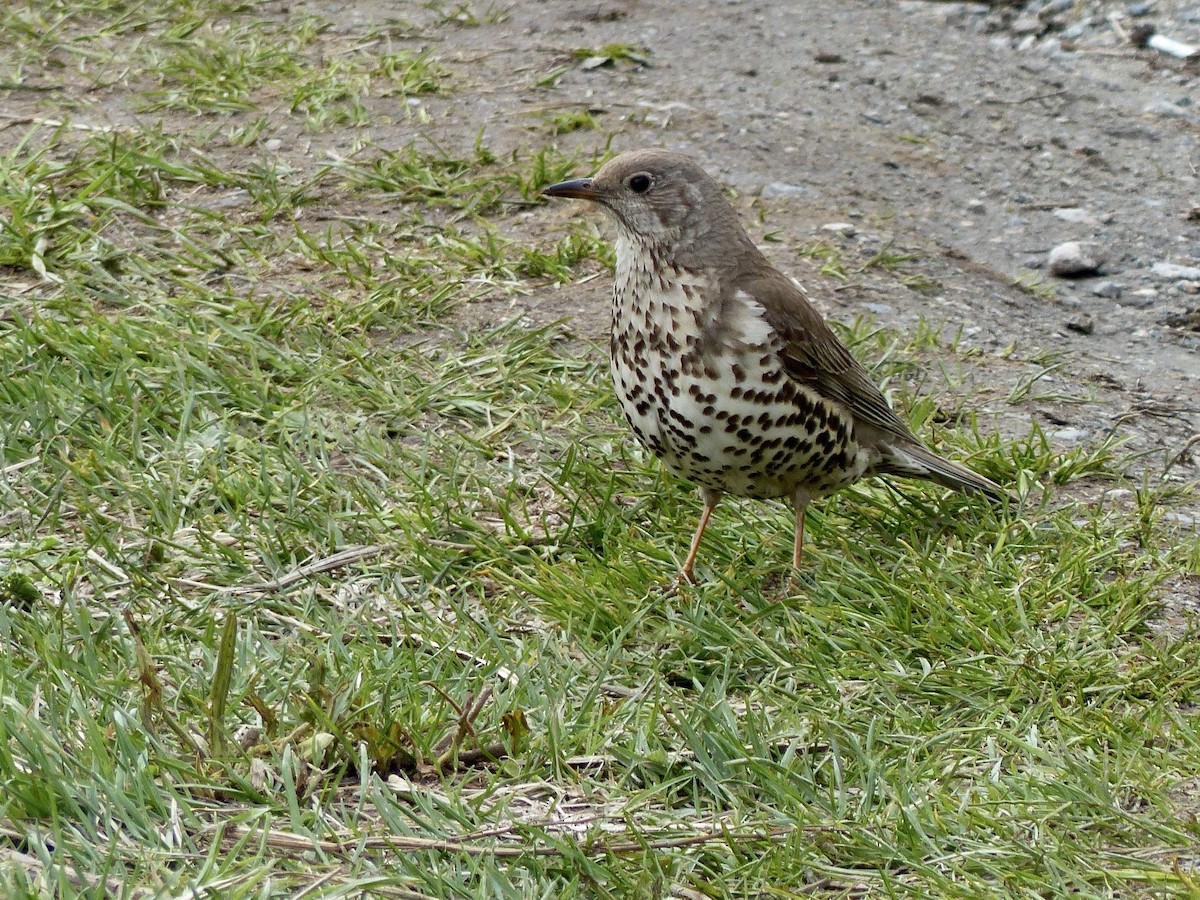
{"x": 1074, "y": 259}
{"x": 1075, "y": 214}
{"x": 1188, "y": 319}
{"x": 1076, "y": 30}
{"x": 1172, "y": 271}
{"x": 845, "y": 229}
{"x": 1167, "y": 110}
{"x": 273, "y": 144}
{"x": 977, "y": 207}
{"x": 246, "y": 736}
{"x": 777, "y": 189}
{"x": 1109, "y": 290}
{"x": 1071, "y": 435}
{"x": 1027, "y": 25}
{"x": 1139, "y": 299}
{"x": 1054, "y": 49}
{"x": 1082, "y": 325}
{"x": 1137, "y": 10}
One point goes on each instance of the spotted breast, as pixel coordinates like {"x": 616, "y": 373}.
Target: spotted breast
{"x": 704, "y": 388}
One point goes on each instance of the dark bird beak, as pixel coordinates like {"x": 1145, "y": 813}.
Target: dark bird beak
{"x": 576, "y": 188}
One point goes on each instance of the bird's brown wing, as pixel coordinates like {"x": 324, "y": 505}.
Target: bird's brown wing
{"x": 813, "y": 355}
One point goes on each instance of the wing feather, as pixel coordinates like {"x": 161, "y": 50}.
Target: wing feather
{"x": 814, "y": 356}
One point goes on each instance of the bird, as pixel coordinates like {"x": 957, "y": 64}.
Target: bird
{"x": 723, "y": 368}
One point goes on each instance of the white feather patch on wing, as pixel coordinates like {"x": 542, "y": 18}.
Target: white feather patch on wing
{"x": 746, "y": 321}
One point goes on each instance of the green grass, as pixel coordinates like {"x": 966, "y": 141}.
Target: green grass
{"x": 609, "y": 54}
{"x": 315, "y": 578}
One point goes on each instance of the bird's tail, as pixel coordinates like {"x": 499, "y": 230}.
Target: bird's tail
{"x": 917, "y": 461}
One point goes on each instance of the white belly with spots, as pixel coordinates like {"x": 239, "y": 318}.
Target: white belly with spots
{"x": 715, "y": 405}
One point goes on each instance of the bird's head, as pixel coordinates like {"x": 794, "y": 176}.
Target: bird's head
{"x": 662, "y": 201}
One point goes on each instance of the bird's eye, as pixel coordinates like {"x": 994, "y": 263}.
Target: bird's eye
{"x": 639, "y": 184}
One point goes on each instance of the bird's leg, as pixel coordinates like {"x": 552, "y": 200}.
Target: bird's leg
{"x": 711, "y": 498}
{"x": 800, "y": 503}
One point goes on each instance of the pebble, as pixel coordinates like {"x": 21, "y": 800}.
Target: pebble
{"x": 273, "y": 144}
{"x": 1139, "y": 299}
{"x": 777, "y": 189}
{"x": 1167, "y": 110}
{"x": 1074, "y": 259}
{"x": 1109, "y": 290}
{"x": 978, "y": 207}
{"x": 1071, "y": 434}
{"x": 1075, "y": 31}
{"x": 1082, "y": 325}
{"x": 1075, "y": 214}
{"x": 845, "y": 229}
{"x": 1172, "y": 271}
{"x": 1027, "y": 25}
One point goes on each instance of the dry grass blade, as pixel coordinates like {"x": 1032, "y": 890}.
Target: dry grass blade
{"x": 330, "y": 563}
{"x": 282, "y": 840}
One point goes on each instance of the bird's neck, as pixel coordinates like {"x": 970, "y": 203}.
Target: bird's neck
{"x": 645, "y": 271}
{"x": 655, "y": 299}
